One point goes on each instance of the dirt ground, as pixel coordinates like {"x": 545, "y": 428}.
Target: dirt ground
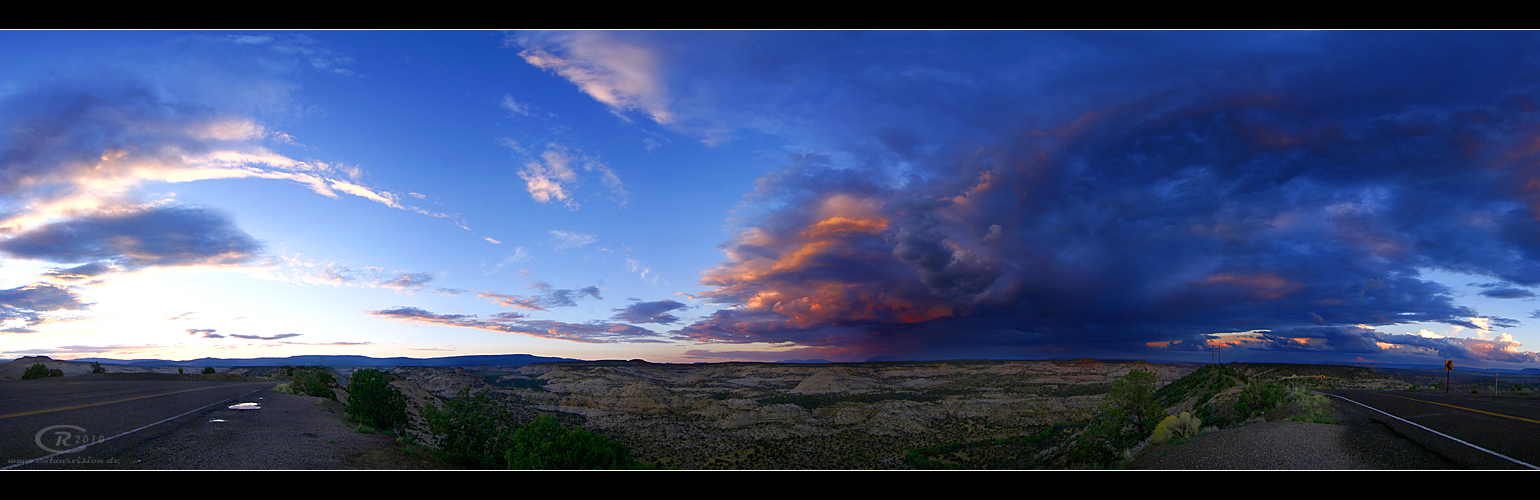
{"x": 288, "y": 432}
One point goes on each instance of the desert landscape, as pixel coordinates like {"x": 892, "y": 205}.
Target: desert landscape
{"x": 875, "y": 415}
{"x": 1008, "y": 414}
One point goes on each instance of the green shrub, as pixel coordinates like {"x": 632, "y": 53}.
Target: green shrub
{"x": 1308, "y": 406}
{"x": 314, "y": 382}
{"x": 1134, "y": 396}
{"x": 472, "y": 431}
{"x": 209, "y": 371}
{"x": 476, "y": 431}
{"x": 1181, "y": 426}
{"x": 56, "y": 372}
{"x": 1257, "y": 398}
{"x": 97, "y": 368}
{"x": 36, "y": 371}
{"x": 1127, "y": 414}
{"x": 544, "y": 444}
{"x": 373, "y": 402}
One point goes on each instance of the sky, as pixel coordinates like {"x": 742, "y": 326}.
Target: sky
{"x": 702, "y": 196}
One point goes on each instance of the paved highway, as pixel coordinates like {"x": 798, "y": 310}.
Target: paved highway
{"x": 1474, "y": 431}
{"x": 81, "y": 422}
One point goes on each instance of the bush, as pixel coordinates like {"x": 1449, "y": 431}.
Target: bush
{"x": 209, "y": 371}
{"x": 1182, "y": 426}
{"x": 36, "y": 371}
{"x": 544, "y": 444}
{"x": 1308, "y": 406}
{"x": 314, "y": 382}
{"x": 479, "y": 432}
{"x": 472, "y": 431}
{"x": 1134, "y": 396}
{"x": 372, "y": 401}
{"x": 97, "y": 368}
{"x": 1127, "y": 414}
{"x": 1257, "y": 398}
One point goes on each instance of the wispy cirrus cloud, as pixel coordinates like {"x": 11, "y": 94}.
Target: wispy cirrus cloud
{"x": 547, "y": 298}
{"x": 572, "y": 239}
{"x": 657, "y": 311}
{"x": 82, "y": 145}
{"x": 25, "y": 307}
{"x": 208, "y": 333}
{"x": 515, "y": 106}
{"x": 619, "y": 73}
{"x": 552, "y": 175}
{"x": 84, "y": 274}
{"x": 280, "y": 336}
{"x": 296, "y": 269}
{"x": 596, "y": 332}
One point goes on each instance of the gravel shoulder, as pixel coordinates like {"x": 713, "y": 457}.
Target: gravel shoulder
{"x": 289, "y": 432}
{"x": 1355, "y": 442}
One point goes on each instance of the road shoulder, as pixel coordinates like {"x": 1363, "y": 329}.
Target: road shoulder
{"x": 1354, "y": 442}
{"x": 288, "y": 432}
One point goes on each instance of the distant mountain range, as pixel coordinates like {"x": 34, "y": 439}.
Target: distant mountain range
{"x": 339, "y": 361}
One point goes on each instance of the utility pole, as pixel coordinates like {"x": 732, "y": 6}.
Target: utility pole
{"x": 1213, "y": 356}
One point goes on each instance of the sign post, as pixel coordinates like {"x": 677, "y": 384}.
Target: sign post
{"x": 1448, "y": 367}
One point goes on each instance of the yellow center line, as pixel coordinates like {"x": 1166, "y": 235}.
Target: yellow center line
{"x": 1468, "y": 409}
{"x": 35, "y": 412}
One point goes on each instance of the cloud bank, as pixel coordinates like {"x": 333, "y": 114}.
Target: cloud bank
{"x": 1167, "y": 195}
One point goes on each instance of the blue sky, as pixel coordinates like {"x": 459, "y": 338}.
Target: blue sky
{"x": 1292, "y": 196}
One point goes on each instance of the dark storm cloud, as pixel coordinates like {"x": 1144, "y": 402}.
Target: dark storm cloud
{"x": 156, "y": 236}
{"x": 596, "y": 332}
{"x": 1195, "y": 185}
{"x": 649, "y": 312}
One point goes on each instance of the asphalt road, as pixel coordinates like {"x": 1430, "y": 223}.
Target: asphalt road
{"x": 82, "y": 422}
{"x": 1477, "y": 432}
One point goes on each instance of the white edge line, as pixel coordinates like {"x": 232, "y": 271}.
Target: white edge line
{"x": 1451, "y": 438}
{"x": 88, "y": 445}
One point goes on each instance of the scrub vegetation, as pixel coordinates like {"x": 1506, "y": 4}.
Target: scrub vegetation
{"x": 1136, "y": 411}
{"x": 373, "y": 402}
{"x": 479, "y": 432}
{"x": 308, "y": 381}
{"x": 39, "y": 370}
